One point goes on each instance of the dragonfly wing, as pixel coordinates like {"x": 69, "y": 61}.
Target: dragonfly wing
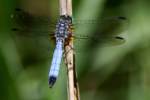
{"x": 40, "y": 40}
{"x": 32, "y": 33}
{"x": 111, "y": 26}
{"x": 31, "y": 36}
{"x": 108, "y": 26}
{"x": 26, "y": 22}
{"x": 106, "y": 33}
{"x": 20, "y": 14}
{"x": 114, "y": 26}
{"x": 100, "y": 39}
{"x": 30, "y": 26}
{"x": 84, "y": 43}
{"x": 33, "y": 50}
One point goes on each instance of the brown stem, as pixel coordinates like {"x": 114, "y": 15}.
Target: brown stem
{"x": 73, "y": 89}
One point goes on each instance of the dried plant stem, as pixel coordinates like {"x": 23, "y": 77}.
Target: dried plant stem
{"x": 73, "y": 89}
{"x": 69, "y": 7}
{"x": 63, "y": 7}
{"x": 70, "y": 66}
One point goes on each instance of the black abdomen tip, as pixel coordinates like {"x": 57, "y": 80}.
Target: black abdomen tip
{"x": 52, "y": 80}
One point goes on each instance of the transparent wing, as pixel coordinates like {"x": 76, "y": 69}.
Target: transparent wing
{"x": 28, "y": 28}
{"x": 43, "y": 24}
{"x": 42, "y": 46}
{"x": 27, "y": 18}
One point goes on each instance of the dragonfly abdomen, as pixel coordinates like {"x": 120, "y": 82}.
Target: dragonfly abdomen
{"x": 56, "y": 61}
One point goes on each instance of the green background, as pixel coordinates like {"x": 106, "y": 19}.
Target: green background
{"x": 104, "y": 72}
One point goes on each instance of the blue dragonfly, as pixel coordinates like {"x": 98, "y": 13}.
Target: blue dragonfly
{"x": 62, "y": 32}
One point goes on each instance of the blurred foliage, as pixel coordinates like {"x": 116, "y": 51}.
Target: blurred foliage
{"x": 104, "y": 72}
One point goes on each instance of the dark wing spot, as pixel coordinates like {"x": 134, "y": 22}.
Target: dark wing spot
{"x": 122, "y": 18}
{"x": 120, "y": 38}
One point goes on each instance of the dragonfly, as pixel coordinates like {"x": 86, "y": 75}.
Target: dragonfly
{"x": 64, "y": 33}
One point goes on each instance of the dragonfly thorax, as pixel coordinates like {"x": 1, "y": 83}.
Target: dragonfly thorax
{"x": 63, "y": 27}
